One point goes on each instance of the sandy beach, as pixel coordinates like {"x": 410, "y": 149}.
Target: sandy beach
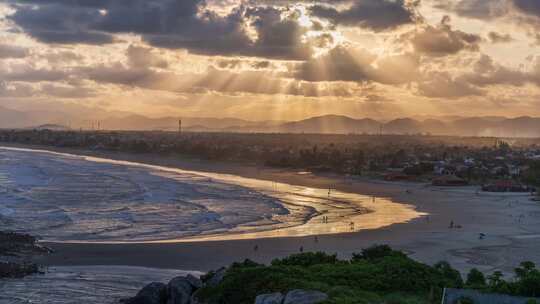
{"x": 510, "y": 224}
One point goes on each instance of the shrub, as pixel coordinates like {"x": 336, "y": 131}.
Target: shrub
{"x": 377, "y": 252}
{"x": 306, "y": 259}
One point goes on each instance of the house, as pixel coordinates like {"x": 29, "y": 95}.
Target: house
{"x": 506, "y": 186}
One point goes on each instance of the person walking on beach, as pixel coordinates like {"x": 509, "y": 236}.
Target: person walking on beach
{"x": 451, "y": 224}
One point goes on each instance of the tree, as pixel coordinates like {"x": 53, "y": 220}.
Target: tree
{"x": 476, "y": 279}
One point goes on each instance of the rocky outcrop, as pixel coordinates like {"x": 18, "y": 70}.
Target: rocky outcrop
{"x": 153, "y": 293}
{"x": 271, "y": 298}
{"x": 16, "y": 254}
{"x": 179, "y": 290}
{"x": 217, "y": 277}
{"x": 297, "y": 296}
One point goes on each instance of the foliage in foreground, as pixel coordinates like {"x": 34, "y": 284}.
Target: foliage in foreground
{"x": 376, "y": 275}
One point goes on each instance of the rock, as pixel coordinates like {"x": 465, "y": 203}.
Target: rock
{"x": 194, "y": 299}
{"x": 180, "y": 290}
{"x": 304, "y": 297}
{"x": 271, "y": 298}
{"x": 217, "y": 277}
{"x": 194, "y": 281}
{"x": 153, "y": 293}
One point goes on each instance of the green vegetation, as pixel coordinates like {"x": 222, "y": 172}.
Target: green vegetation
{"x": 376, "y": 275}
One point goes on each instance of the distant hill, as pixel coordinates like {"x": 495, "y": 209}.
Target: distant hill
{"x": 472, "y": 126}
{"x": 52, "y": 127}
{"x": 331, "y": 124}
{"x": 328, "y": 124}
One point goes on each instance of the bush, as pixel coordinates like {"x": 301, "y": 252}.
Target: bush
{"x": 377, "y": 252}
{"x": 306, "y": 259}
{"x": 371, "y": 279}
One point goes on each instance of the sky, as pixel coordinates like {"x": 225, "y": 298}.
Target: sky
{"x": 272, "y": 60}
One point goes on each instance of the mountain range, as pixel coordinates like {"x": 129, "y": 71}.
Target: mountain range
{"x": 329, "y": 124}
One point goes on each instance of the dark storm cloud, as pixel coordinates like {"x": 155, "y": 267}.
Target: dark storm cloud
{"x": 186, "y": 24}
{"x": 531, "y": 7}
{"x": 58, "y": 23}
{"x": 377, "y": 15}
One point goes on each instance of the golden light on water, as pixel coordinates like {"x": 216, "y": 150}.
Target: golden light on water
{"x": 345, "y": 212}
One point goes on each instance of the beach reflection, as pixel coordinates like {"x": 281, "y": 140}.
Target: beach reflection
{"x": 312, "y": 211}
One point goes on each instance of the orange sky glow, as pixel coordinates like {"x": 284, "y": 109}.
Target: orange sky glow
{"x": 272, "y": 60}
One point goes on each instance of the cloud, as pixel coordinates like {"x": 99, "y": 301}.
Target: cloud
{"x": 495, "y": 37}
{"x": 530, "y": 7}
{"x": 443, "y": 85}
{"x": 442, "y": 40}
{"x": 11, "y": 51}
{"x": 339, "y": 64}
{"x": 144, "y": 57}
{"x": 262, "y": 31}
{"x": 376, "y": 15}
{"x": 53, "y": 22}
{"x": 489, "y": 73}
{"x": 28, "y": 73}
{"x": 477, "y": 9}
{"x": 346, "y": 63}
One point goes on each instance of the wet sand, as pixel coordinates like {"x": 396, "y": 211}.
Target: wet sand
{"x": 510, "y": 223}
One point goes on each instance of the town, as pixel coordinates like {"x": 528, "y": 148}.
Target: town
{"x": 497, "y": 165}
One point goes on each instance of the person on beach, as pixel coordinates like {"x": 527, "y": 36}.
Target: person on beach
{"x": 301, "y": 248}
{"x": 451, "y": 224}
{"x": 256, "y": 248}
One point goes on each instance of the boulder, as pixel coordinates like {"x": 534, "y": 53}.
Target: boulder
{"x": 304, "y": 297}
{"x": 217, "y": 277}
{"x": 153, "y": 293}
{"x": 194, "y": 281}
{"x": 180, "y": 290}
{"x": 271, "y": 298}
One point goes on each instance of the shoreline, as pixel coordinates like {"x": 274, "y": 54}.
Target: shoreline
{"x": 427, "y": 239}
{"x": 347, "y": 212}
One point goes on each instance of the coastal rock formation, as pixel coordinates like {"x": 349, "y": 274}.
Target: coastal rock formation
{"x": 299, "y": 296}
{"x": 217, "y": 277}
{"x": 271, "y": 298}
{"x": 153, "y": 293}
{"x": 16, "y": 253}
{"x": 180, "y": 289}
{"x": 194, "y": 281}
